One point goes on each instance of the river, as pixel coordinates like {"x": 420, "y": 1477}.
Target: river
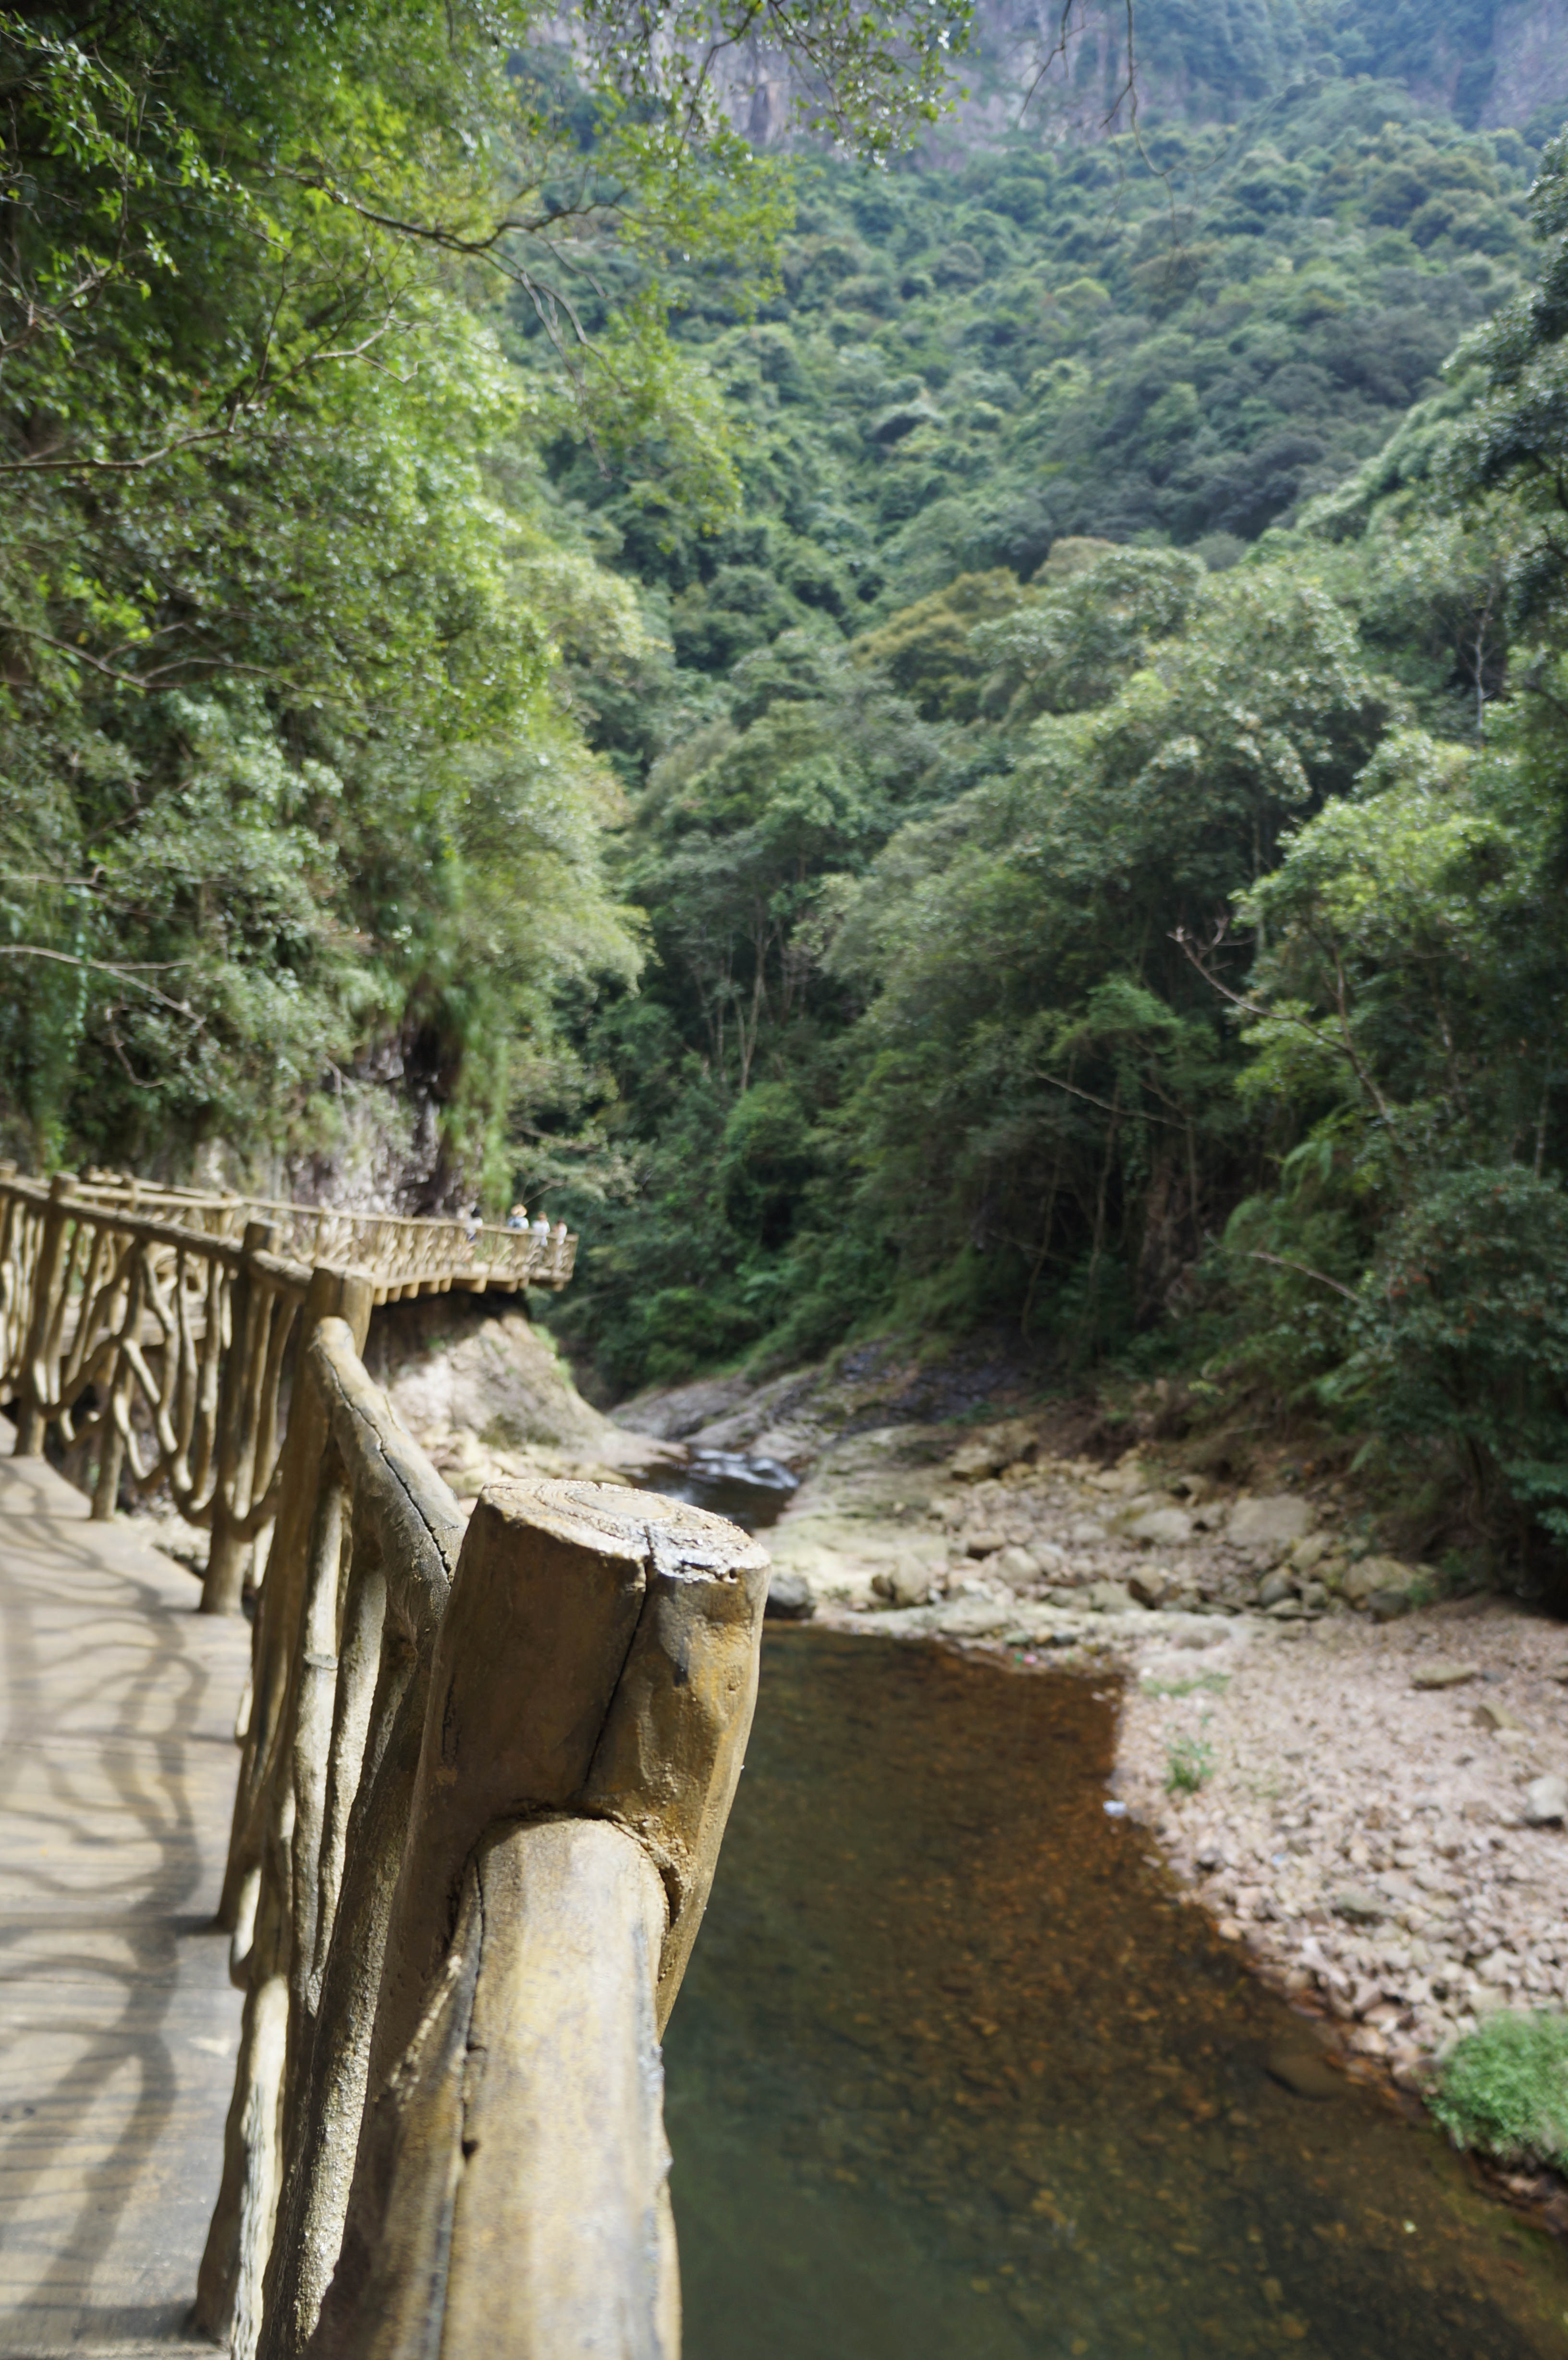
{"x": 957, "y": 2075}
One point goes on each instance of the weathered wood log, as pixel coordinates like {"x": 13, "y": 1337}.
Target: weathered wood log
{"x": 239, "y": 2238}
{"x": 239, "y": 1413}
{"x": 47, "y": 1295}
{"x": 593, "y": 1687}
{"x": 516, "y": 2170}
{"x": 408, "y": 1532}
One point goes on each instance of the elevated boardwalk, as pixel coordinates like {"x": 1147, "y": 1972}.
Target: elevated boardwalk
{"x": 118, "y": 2025}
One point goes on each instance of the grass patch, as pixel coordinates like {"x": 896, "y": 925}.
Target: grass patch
{"x": 1504, "y": 2088}
{"x": 1188, "y": 1761}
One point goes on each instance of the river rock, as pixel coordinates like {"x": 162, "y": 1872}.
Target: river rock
{"x": 1275, "y": 1522}
{"x": 789, "y": 1598}
{"x": 1442, "y": 1676}
{"x": 988, "y": 1452}
{"x": 1363, "y": 1581}
{"x": 903, "y": 1585}
{"x": 1546, "y": 1801}
{"x": 1360, "y": 1904}
{"x": 1162, "y": 1528}
{"x": 1106, "y": 1598}
{"x": 1304, "y": 2072}
{"x": 1085, "y": 1533}
{"x": 1274, "y": 1589}
{"x": 1489, "y": 1714}
{"x": 1387, "y": 1605}
{"x": 1151, "y": 1585}
{"x": 1019, "y": 1567}
{"x": 1309, "y": 1553}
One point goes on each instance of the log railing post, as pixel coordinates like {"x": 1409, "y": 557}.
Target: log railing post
{"x": 313, "y": 1732}
{"x": 47, "y": 1271}
{"x": 229, "y": 1551}
{"x": 332, "y": 1294}
{"x": 591, "y": 1691}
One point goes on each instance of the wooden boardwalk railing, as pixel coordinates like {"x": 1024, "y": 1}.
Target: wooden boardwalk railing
{"x": 159, "y": 1350}
{"x": 485, "y": 1781}
{"x": 404, "y": 1257}
{"x": 485, "y": 1771}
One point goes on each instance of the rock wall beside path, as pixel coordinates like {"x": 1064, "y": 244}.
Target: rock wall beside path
{"x": 486, "y": 1394}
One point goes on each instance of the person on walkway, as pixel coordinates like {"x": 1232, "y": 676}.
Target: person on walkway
{"x": 517, "y": 1218}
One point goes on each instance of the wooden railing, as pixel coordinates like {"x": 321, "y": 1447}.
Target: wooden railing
{"x": 160, "y": 1351}
{"x": 486, "y": 1770}
{"x": 404, "y": 1256}
{"x": 157, "y": 1356}
{"x": 485, "y": 1775}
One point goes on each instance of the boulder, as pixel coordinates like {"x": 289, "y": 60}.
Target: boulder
{"x": 1106, "y": 1598}
{"x": 1304, "y": 2073}
{"x": 1019, "y": 1567}
{"x": 988, "y": 1451}
{"x": 903, "y": 1585}
{"x": 1387, "y": 1605}
{"x": 1374, "y": 1573}
{"x": 1122, "y": 1481}
{"x": 1162, "y": 1528}
{"x": 981, "y": 1540}
{"x": 1546, "y": 1801}
{"x": 789, "y": 1599}
{"x": 1149, "y": 1585}
{"x": 1360, "y": 1904}
{"x": 1276, "y": 1521}
{"x": 1309, "y": 1553}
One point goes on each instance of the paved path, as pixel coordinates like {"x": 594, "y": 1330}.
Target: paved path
{"x": 118, "y": 2025}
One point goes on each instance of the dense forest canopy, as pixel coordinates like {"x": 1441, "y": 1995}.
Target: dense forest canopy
{"x": 291, "y": 798}
{"x": 904, "y": 734}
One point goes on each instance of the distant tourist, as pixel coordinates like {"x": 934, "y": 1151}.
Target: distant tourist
{"x": 517, "y": 1218}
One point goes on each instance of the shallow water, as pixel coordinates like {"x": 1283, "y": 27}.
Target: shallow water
{"x": 751, "y": 1491}
{"x": 955, "y": 2076}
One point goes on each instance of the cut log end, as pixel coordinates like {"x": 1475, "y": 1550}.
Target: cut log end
{"x": 670, "y": 1536}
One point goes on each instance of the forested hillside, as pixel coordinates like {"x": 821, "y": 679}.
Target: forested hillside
{"x": 908, "y": 736}
{"x": 1094, "y": 812}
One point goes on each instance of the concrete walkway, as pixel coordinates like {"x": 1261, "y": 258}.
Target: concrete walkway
{"x": 118, "y": 2026}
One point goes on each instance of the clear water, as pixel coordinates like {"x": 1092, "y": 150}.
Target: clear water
{"x": 955, "y": 2076}
{"x": 751, "y": 1491}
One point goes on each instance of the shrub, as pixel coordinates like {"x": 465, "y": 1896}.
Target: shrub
{"x": 1504, "y": 2089}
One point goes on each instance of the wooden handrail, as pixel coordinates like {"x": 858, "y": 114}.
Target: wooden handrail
{"x": 486, "y": 1767}
{"x": 159, "y": 1350}
{"x": 400, "y": 1249}
{"x": 486, "y": 1778}
{"x": 160, "y": 1356}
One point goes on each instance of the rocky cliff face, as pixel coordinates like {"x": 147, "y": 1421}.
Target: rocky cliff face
{"x": 1065, "y": 75}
